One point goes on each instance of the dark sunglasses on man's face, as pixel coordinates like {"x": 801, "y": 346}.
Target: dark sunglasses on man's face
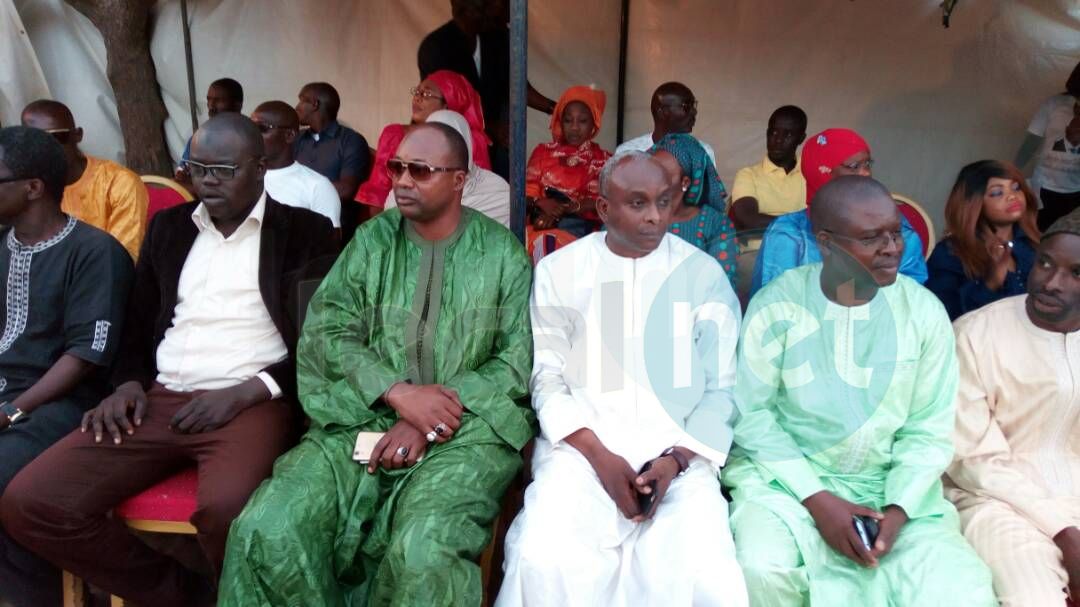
{"x": 419, "y": 171}
{"x": 62, "y": 136}
{"x": 266, "y": 127}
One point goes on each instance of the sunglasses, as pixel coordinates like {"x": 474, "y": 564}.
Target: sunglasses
{"x": 419, "y": 171}
{"x": 13, "y": 179}
{"x": 418, "y": 92}
{"x": 223, "y": 172}
{"x": 266, "y": 127}
{"x": 62, "y": 136}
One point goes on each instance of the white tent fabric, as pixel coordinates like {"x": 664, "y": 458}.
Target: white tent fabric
{"x": 72, "y": 57}
{"x": 366, "y": 49}
{"x": 928, "y": 99}
{"x": 21, "y": 78}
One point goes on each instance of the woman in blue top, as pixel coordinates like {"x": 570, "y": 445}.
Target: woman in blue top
{"x": 991, "y": 234}
{"x": 699, "y": 216}
{"x": 789, "y": 242}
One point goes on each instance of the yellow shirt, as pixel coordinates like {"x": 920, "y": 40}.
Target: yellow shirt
{"x": 777, "y": 191}
{"x": 112, "y": 198}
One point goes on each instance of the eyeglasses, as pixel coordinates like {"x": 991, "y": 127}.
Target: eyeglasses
{"x": 418, "y": 92}
{"x": 224, "y": 172}
{"x": 419, "y": 171}
{"x": 62, "y": 136}
{"x": 855, "y": 166}
{"x": 872, "y": 242}
{"x": 12, "y": 179}
{"x": 266, "y": 127}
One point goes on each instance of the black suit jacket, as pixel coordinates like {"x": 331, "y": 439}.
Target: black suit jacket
{"x": 293, "y": 240}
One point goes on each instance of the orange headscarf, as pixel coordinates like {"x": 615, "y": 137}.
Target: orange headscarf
{"x": 594, "y": 99}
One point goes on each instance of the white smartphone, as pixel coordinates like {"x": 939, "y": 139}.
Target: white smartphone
{"x": 365, "y": 444}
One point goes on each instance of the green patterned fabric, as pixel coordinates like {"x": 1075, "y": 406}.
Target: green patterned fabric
{"x": 321, "y": 530}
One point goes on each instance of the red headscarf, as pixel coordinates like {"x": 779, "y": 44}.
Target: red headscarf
{"x": 462, "y": 98}
{"x": 824, "y": 152}
{"x": 594, "y": 99}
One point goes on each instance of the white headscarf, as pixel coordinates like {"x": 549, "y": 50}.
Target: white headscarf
{"x": 484, "y": 191}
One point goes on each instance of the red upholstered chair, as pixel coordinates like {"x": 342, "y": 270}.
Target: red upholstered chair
{"x": 919, "y": 220}
{"x": 164, "y": 508}
{"x": 164, "y": 193}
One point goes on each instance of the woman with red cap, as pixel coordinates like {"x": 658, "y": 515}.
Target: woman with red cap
{"x": 789, "y": 241}
{"x": 442, "y": 90}
{"x": 562, "y": 179}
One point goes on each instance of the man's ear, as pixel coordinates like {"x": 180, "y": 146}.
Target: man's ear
{"x": 825, "y": 243}
{"x": 260, "y": 166}
{"x": 460, "y": 177}
{"x": 290, "y": 135}
{"x": 35, "y": 189}
{"x": 76, "y": 136}
{"x": 602, "y": 208}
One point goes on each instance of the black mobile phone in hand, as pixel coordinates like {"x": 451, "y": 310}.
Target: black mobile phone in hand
{"x": 645, "y": 500}
{"x": 868, "y": 529}
{"x": 550, "y": 192}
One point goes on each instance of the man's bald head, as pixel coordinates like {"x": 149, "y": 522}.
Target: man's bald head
{"x": 455, "y": 150}
{"x": 835, "y": 202}
{"x": 54, "y": 117}
{"x": 615, "y": 169}
{"x": 279, "y": 114}
{"x": 228, "y": 133}
{"x": 279, "y": 125}
{"x": 56, "y": 114}
{"x": 674, "y": 108}
{"x": 670, "y": 91}
{"x": 327, "y": 96}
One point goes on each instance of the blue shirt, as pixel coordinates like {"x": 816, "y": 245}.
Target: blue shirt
{"x": 338, "y": 151}
{"x": 789, "y": 243}
{"x": 961, "y": 294}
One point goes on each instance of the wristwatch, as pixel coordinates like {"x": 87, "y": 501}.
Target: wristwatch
{"x": 13, "y": 413}
{"x": 680, "y": 459}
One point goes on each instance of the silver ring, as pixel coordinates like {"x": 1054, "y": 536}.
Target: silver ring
{"x": 430, "y": 437}
{"x": 440, "y": 429}
{"x": 403, "y": 451}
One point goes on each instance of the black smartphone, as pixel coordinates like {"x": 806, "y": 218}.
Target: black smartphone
{"x": 550, "y": 192}
{"x": 645, "y": 500}
{"x": 868, "y": 529}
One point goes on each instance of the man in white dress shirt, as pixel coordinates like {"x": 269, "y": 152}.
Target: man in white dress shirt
{"x": 635, "y": 333}
{"x": 205, "y": 376}
{"x": 286, "y": 180}
{"x": 674, "y": 110}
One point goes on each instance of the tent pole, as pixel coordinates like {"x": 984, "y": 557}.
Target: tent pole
{"x": 519, "y": 44}
{"x": 190, "y": 67}
{"x": 624, "y": 34}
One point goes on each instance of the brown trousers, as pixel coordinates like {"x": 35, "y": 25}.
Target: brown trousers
{"x": 58, "y": 505}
